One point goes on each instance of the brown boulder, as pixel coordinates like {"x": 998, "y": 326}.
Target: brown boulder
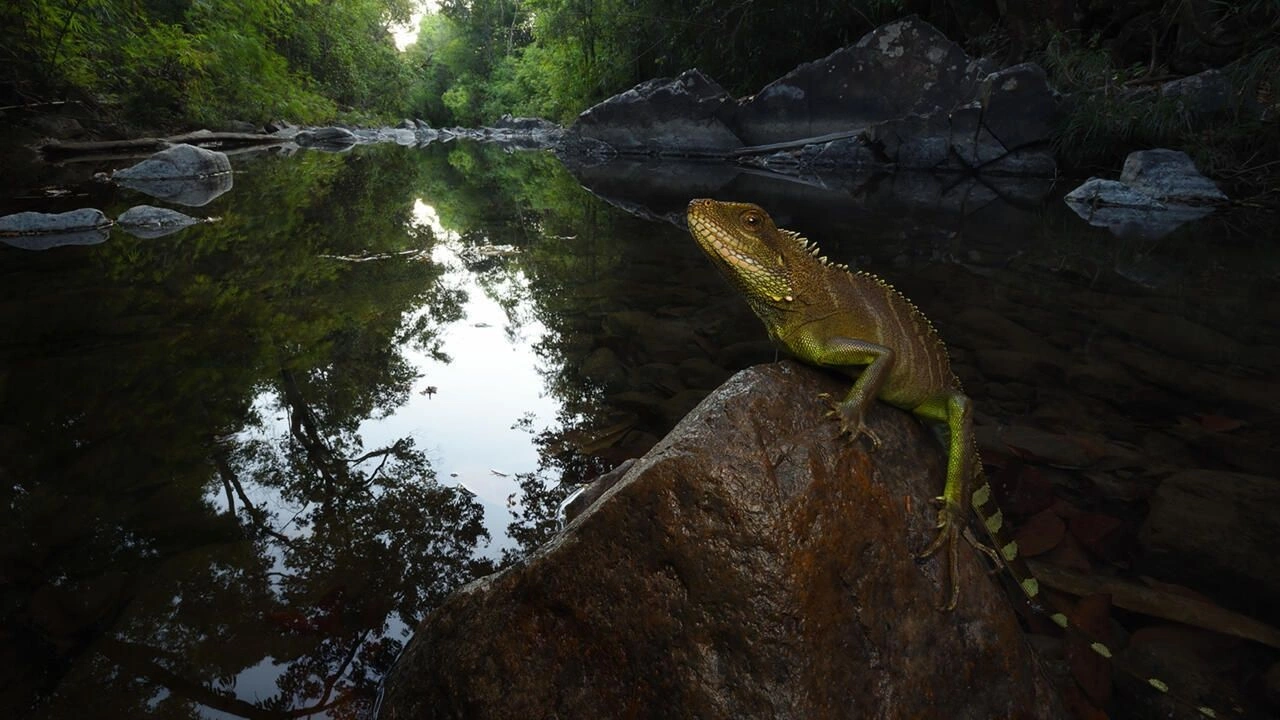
{"x": 752, "y": 565}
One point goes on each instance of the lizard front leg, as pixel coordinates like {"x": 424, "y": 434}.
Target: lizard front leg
{"x": 955, "y": 409}
{"x": 845, "y": 353}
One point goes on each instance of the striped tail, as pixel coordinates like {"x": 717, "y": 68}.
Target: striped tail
{"x": 1006, "y": 554}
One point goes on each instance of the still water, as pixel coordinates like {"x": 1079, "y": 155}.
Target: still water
{"x": 240, "y": 462}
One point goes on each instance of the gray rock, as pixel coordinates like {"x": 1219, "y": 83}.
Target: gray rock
{"x": 1169, "y": 175}
{"x": 148, "y": 221}
{"x": 917, "y": 142}
{"x": 327, "y": 137}
{"x": 404, "y": 136}
{"x": 1158, "y": 192}
{"x": 287, "y": 133}
{"x": 177, "y": 162}
{"x": 903, "y": 68}
{"x": 1018, "y": 106}
{"x": 38, "y": 223}
{"x": 42, "y": 231}
{"x": 242, "y": 126}
{"x": 525, "y": 124}
{"x": 1096, "y": 192}
{"x": 407, "y": 124}
{"x": 970, "y": 140}
{"x": 276, "y": 126}
{"x": 681, "y": 116}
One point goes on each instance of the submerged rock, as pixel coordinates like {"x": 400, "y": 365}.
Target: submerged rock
{"x": 754, "y": 564}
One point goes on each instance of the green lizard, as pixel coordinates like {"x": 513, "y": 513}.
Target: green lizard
{"x": 826, "y": 315}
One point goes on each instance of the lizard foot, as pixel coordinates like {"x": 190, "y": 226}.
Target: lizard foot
{"x": 851, "y": 422}
{"x": 949, "y": 526}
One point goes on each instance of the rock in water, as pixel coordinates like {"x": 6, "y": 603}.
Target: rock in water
{"x": 754, "y": 564}
{"x": 42, "y": 231}
{"x": 1169, "y": 175}
{"x": 179, "y": 161}
{"x": 148, "y": 221}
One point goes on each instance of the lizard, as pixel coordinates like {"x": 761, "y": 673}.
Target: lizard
{"x": 827, "y": 315}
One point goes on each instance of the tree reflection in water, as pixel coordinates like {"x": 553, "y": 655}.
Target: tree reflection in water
{"x": 164, "y": 551}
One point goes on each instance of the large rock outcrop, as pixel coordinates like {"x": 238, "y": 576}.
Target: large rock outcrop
{"x": 685, "y": 115}
{"x": 899, "y": 69}
{"x": 903, "y": 96}
{"x": 754, "y": 564}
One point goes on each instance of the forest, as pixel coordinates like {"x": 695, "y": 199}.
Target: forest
{"x": 142, "y": 64}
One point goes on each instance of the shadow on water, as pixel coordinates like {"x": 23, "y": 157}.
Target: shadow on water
{"x": 202, "y": 518}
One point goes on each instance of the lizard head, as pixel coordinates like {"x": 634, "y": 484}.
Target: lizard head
{"x": 741, "y": 239}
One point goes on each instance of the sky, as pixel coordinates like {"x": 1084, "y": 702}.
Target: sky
{"x": 405, "y": 35}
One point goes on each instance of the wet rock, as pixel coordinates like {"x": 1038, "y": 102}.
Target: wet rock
{"x": 147, "y": 221}
{"x": 37, "y": 223}
{"x": 525, "y": 124}
{"x": 327, "y": 138}
{"x": 177, "y": 163}
{"x": 1128, "y": 213}
{"x": 524, "y": 133}
{"x": 1217, "y": 529}
{"x": 1170, "y": 176}
{"x": 42, "y": 231}
{"x": 681, "y": 116}
{"x": 752, "y": 565}
{"x": 575, "y": 504}
{"x": 1099, "y": 193}
{"x": 1158, "y": 191}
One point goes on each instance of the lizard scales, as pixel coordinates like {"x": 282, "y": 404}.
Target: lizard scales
{"x": 856, "y": 323}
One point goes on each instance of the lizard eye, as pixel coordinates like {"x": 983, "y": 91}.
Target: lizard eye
{"x": 751, "y": 218}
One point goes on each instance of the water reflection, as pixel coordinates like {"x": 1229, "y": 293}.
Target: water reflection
{"x": 240, "y": 462}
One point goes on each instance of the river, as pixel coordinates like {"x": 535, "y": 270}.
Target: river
{"x": 240, "y": 462}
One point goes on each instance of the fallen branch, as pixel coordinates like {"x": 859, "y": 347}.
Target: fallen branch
{"x": 199, "y": 137}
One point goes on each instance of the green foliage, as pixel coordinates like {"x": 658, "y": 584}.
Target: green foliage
{"x": 172, "y": 62}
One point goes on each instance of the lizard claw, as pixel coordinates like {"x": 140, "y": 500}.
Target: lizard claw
{"x": 851, "y": 423}
{"x": 948, "y": 527}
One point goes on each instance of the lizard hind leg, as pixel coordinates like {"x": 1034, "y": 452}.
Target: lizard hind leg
{"x": 956, "y": 411}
